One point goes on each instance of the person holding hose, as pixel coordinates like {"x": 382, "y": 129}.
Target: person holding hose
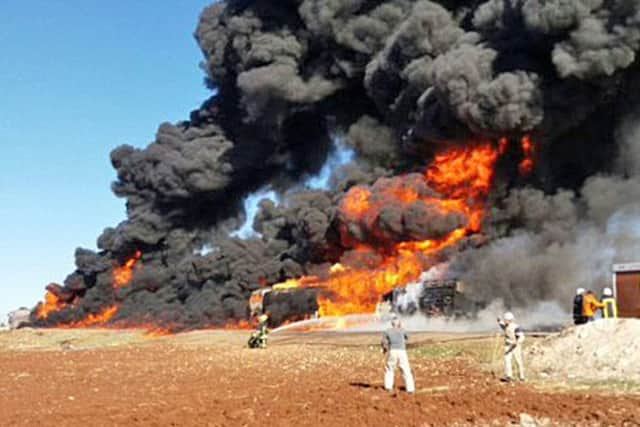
{"x": 513, "y": 340}
{"x": 394, "y": 345}
{"x": 590, "y": 306}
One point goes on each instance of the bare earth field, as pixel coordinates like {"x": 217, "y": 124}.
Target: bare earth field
{"x": 208, "y": 378}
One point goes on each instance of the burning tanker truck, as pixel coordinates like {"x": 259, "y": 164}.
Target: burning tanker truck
{"x": 440, "y": 297}
{"x": 497, "y": 138}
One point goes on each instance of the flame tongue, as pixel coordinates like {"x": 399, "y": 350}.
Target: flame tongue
{"x": 528, "y": 150}
{"x": 123, "y": 274}
{"x": 465, "y": 176}
{"x": 461, "y": 176}
{"x": 50, "y": 305}
{"x": 94, "y": 319}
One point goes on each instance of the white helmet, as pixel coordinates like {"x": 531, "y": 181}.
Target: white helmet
{"x": 607, "y": 292}
{"x": 579, "y": 291}
{"x": 395, "y": 321}
{"x": 508, "y": 316}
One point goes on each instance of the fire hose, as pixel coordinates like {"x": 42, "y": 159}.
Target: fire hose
{"x": 496, "y": 352}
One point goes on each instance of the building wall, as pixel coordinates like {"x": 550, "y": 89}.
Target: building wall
{"x": 628, "y": 293}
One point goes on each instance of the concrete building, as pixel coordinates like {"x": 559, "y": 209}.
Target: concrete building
{"x": 626, "y": 288}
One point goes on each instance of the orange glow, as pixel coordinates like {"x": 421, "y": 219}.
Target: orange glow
{"x": 462, "y": 176}
{"x": 123, "y": 274}
{"x": 528, "y": 149}
{"x": 94, "y": 319}
{"x": 238, "y": 324}
{"x": 465, "y": 176}
{"x": 356, "y": 202}
{"x": 503, "y": 145}
{"x": 295, "y": 283}
{"x": 155, "y": 331}
{"x": 50, "y": 305}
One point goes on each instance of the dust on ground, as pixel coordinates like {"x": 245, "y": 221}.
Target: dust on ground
{"x": 606, "y": 350}
{"x": 77, "y": 378}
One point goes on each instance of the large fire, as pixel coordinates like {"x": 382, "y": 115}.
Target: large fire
{"x": 122, "y": 275}
{"x": 457, "y": 183}
{"x": 462, "y": 176}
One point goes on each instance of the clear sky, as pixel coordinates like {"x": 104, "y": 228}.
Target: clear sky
{"x": 78, "y": 78}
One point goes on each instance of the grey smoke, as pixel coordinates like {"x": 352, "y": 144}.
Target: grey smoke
{"x": 556, "y": 243}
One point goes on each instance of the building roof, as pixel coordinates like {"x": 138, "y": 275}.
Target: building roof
{"x": 630, "y": 266}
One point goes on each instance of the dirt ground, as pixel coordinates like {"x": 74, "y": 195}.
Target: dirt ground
{"x": 105, "y": 378}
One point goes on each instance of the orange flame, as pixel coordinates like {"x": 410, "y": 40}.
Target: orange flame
{"x": 153, "y": 331}
{"x": 528, "y": 149}
{"x": 237, "y": 324}
{"x": 123, "y": 274}
{"x": 50, "y": 305}
{"x": 462, "y": 175}
{"x": 356, "y": 202}
{"x": 94, "y": 319}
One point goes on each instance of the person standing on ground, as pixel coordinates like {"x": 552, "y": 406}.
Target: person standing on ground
{"x": 610, "y": 309}
{"x": 513, "y": 340}
{"x": 590, "y": 306}
{"x": 394, "y": 344}
{"x": 578, "y": 316}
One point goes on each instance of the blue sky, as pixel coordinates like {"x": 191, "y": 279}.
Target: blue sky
{"x": 78, "y": 78}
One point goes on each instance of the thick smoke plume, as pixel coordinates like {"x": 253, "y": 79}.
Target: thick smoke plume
{"x": 399, "y": 81}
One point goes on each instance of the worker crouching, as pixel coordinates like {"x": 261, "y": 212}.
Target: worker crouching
{"x": 513, "y": 340}
{"x": 394, "y": 344}
{"x": 258, "y": 338}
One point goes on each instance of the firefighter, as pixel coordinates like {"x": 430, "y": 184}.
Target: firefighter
{"x": 578, "y": 316}
{"x": 258, "y": 338}
{"x": 610, "y": 309}
{"x": 513, "y": 340}
{"x": 394, "y": 345}
{"x": 590, "y": 306}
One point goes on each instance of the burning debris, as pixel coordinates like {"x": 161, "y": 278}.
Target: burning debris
{"x": 489, "y": 136}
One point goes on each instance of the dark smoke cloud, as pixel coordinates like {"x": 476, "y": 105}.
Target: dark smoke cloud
{"x": 398, "y": 80}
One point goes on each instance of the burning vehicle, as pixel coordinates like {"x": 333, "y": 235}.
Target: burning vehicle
{"x": 442, "y": 298}
{"x": 260, "y": 299}
{"x": 492, "y": 137}
{"x": 431, "y": 297}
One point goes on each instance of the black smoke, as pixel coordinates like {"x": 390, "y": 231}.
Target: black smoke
{"x": 398, "y": 80}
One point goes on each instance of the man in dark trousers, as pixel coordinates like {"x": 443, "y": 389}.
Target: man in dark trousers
{"x": 578, "y": 315}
